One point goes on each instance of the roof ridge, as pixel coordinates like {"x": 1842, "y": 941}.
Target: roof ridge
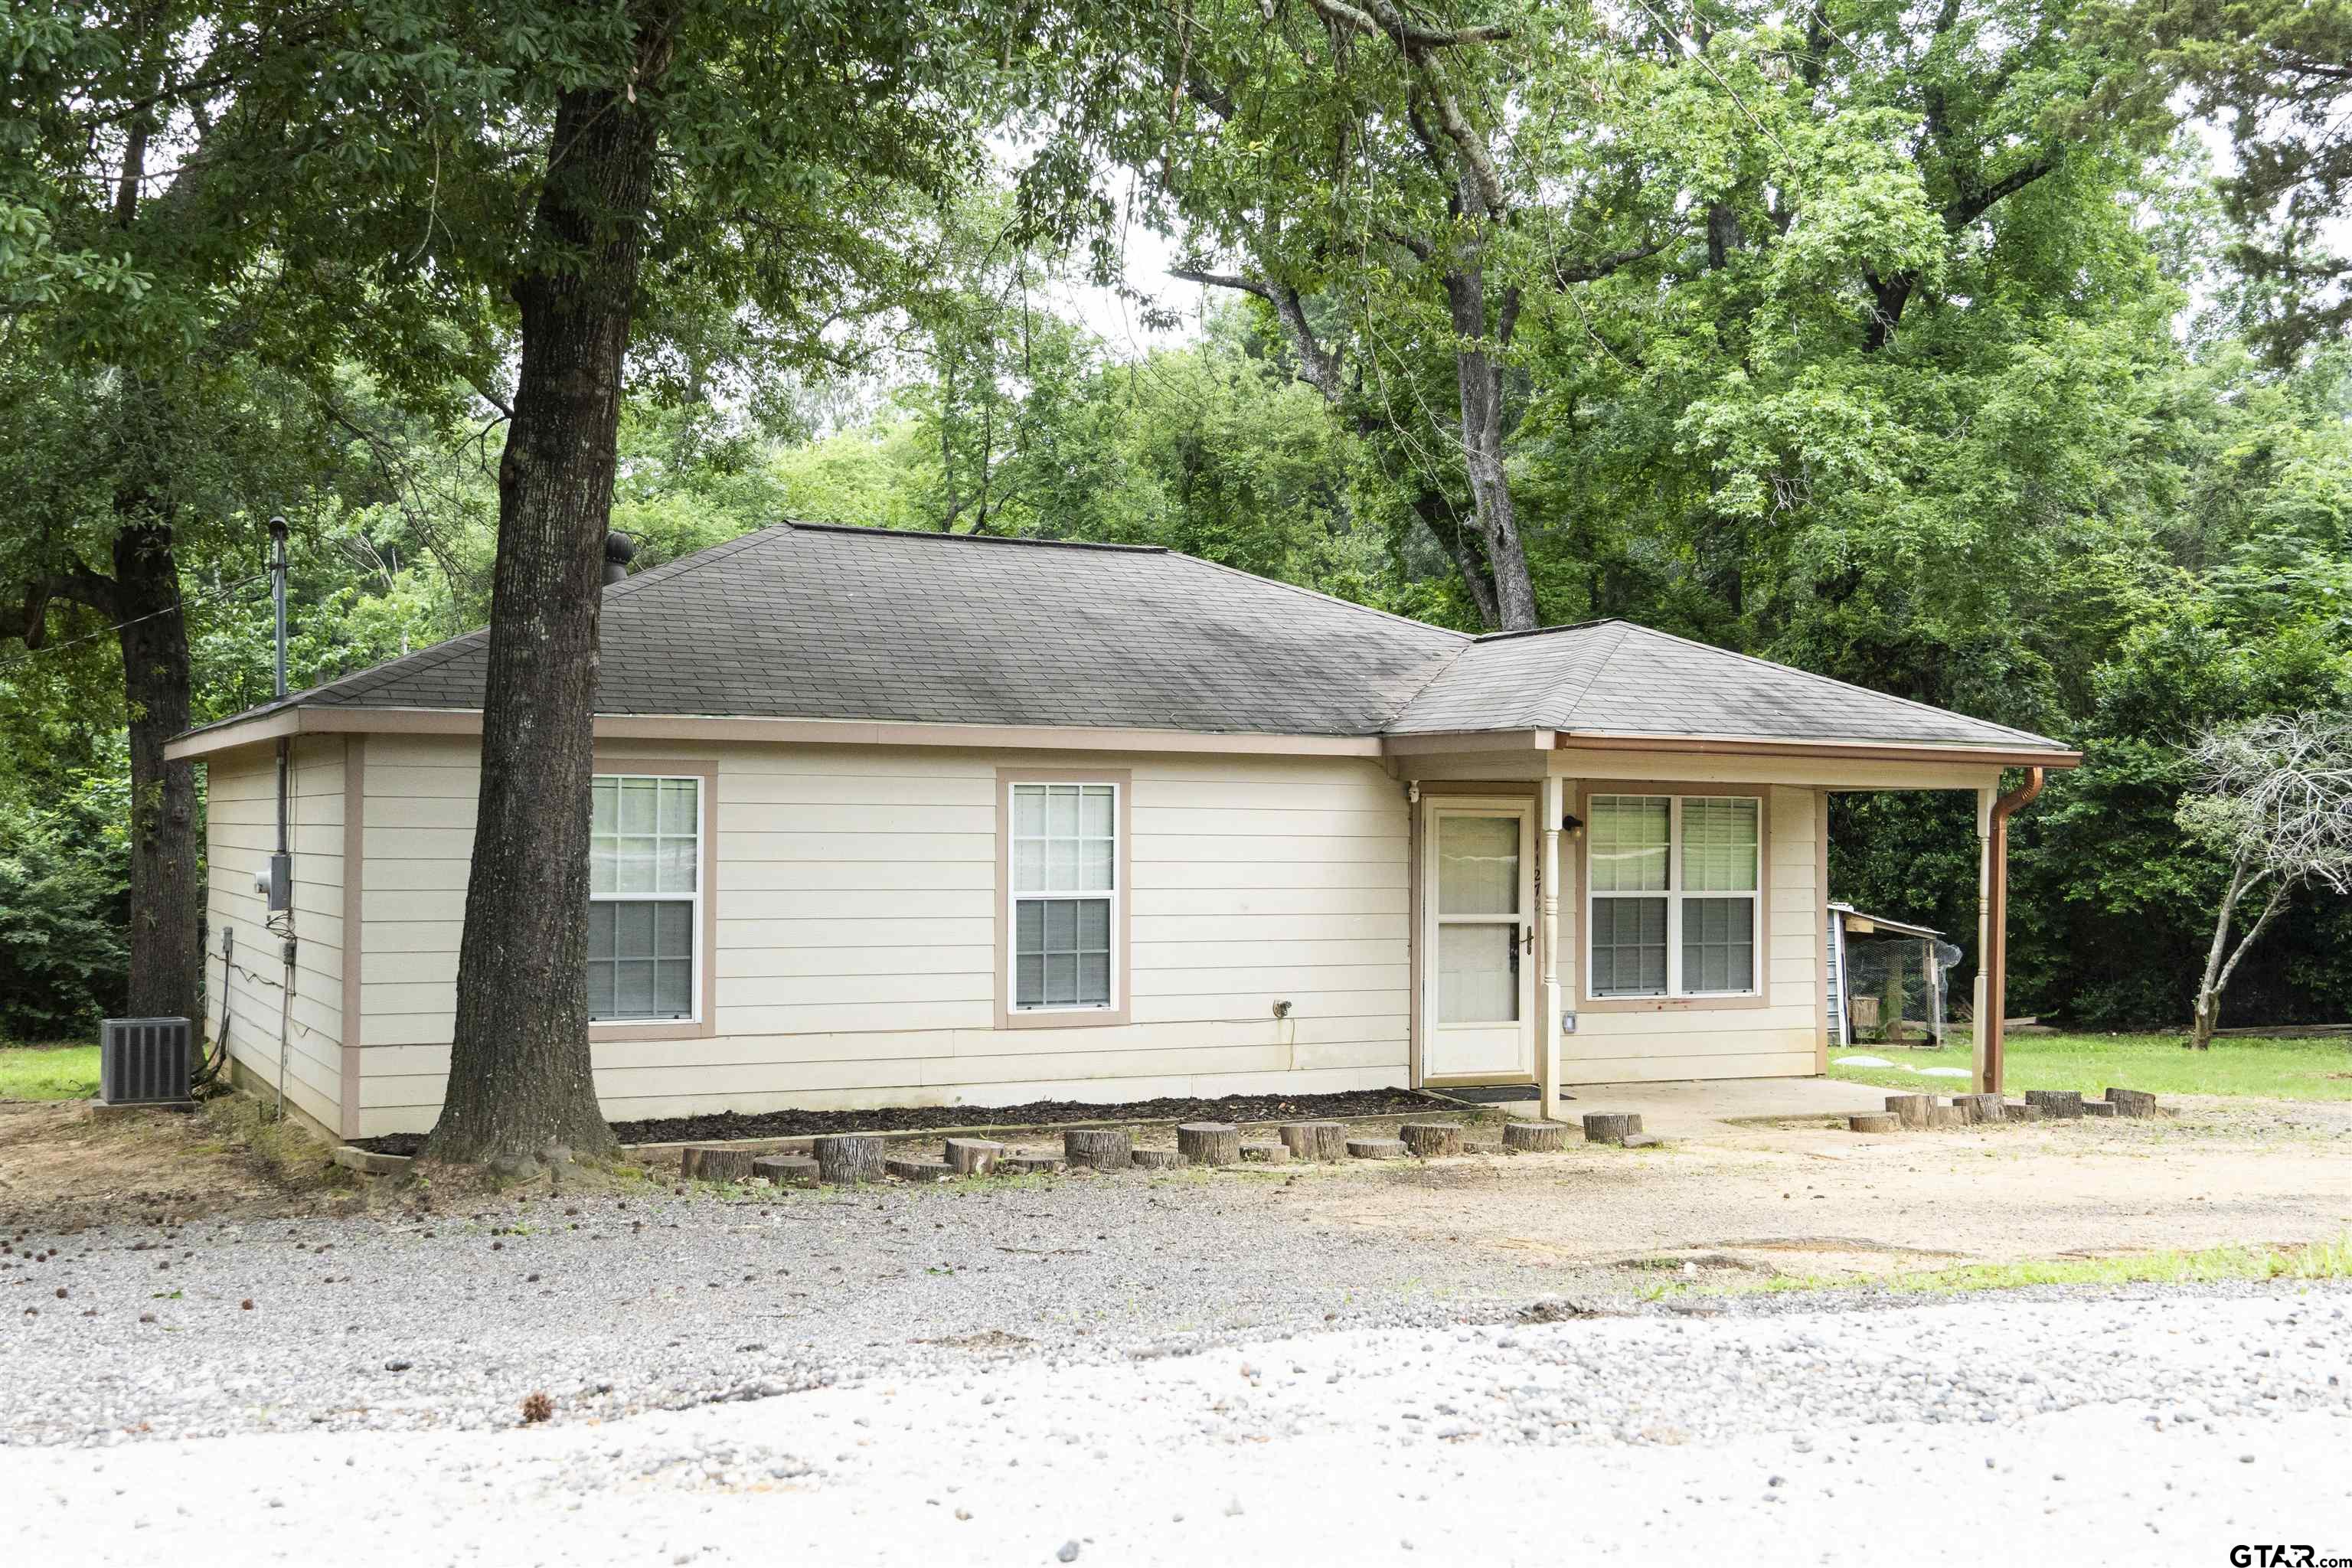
{"x": 799, "y": 526}
{"x": 1624, "y": 630}
{"x": 1833, "y": 680}
{"x": 1546, "y": 631}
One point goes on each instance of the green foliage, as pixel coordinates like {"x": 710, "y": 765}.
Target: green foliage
{"x": 65, "y": 882}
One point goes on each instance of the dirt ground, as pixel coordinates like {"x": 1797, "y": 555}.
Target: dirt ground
{"x": 65, "y": 1164}
{"x": 1759, "y": 1195}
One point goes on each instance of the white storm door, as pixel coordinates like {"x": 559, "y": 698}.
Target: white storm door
{"x": 1478, "y": 964}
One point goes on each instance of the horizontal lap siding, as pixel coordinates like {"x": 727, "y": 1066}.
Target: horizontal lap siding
{"x": 241, "y": 817}
{"x": 857, "y": 915}
{"x": 1772, "y": 1041}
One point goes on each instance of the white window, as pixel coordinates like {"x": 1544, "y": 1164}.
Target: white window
{"x": 1675, "y": 894}
{"x": 645, "y": 898}
{"x": 1065, "y": 896}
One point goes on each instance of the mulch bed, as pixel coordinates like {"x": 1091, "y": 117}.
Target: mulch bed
{"x": 729, "y": 1126}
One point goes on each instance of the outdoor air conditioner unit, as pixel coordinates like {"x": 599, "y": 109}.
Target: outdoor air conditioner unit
{"x": 144, "y": 1062}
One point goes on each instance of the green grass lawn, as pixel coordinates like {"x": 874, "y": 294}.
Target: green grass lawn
{"x": 48, "y": 1072}
{"x": 2280, "y": 1069}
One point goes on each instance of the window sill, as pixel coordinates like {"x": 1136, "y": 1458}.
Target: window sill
{"x": 1723, "y": 1003}
{"x": 1061, "y": 1018}
{"x": 651, "y": 1029}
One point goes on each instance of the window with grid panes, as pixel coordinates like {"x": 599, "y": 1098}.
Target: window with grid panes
{"x": 1675, "y": 894}
{"x": 645, "y": 898}
{"x": 1064, "y": 895}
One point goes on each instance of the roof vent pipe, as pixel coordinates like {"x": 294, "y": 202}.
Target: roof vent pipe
{"x": 619, "y": 550}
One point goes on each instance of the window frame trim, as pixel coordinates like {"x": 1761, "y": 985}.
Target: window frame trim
{"x": 1674, "y": 1001}
{"x": 704, "y": 1023}
{"x": 1123, "y": 783}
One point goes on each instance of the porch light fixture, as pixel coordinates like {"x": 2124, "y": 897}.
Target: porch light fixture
{"x": 1570, "y": 823}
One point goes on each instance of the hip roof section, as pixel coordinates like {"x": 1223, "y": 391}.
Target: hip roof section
{"x": 819, "y": 622}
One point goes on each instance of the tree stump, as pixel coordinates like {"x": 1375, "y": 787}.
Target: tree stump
{"x": 1980, "y": 1107}
{"x": 845, "y": 1159}
{"x": 2057, "y": 1104}
{"x": 1535, "y": 1137}
{"x": 910, "y": 1169}
{"x": 1315, "y": 1140}
{"x": 715, "y": 1164}
{"x": 1265, "y": 1154}
{"x": 1610, "y": 1126}
{"x": 1642, "y": 1140}
{"x": 2021, "y": 1112}
{"x": 1432, "y": 1139}
{"x": 1157, "y": 1159}
{"x": 2131, "y": 1102}
{"x": 1873, "y": 1123}
{"x": 2098, "y": 1108}
{"x": 972, "y": 1156}
{"x": 1098, "y": 1148}
{"x": 1375, "y": 1149}
{"x": 1210, "y": 1142}
{"x": 1947, "y": 1117}
{"x": 1030, "y": 1163}
{"x": 784, "y": 1170}
{"x": 1912, "y": 1110}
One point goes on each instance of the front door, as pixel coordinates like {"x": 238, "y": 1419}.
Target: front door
{"x": 1478, "y": 941}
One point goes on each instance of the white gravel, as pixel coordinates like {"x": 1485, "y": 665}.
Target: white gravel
{"x": 2161, "y": 1427}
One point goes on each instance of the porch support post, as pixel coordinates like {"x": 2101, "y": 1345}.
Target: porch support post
{"x": 1981, "y": 1042}
{"x": 1554, "y": 807}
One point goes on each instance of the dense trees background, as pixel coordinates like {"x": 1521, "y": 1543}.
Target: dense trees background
{"x": 1925, "y": 348}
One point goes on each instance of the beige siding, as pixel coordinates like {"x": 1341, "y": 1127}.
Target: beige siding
{"x": 241, "y": 813}
{"x": 1777, "y": 1039}
{"x": 857, "y": 917}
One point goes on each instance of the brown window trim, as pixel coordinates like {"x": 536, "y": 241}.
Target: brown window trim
{"x": 707, "y": 770}
{"x": 1122, "y": 976}
{"x": 1582, "y": 968}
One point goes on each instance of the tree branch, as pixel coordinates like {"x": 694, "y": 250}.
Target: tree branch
{"x": 1379, "y": 20}
{"x": 1223, "y": 281}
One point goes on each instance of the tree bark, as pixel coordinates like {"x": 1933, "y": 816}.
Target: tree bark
{"x": 1478, "y": 376}
{"x": 1210, "y": 1142}
{"x": 2221, "y": 961}
{"x": 1432, "y": 1139}
{"x": 519, "y": 1062}
{"x": 165, "y": 946}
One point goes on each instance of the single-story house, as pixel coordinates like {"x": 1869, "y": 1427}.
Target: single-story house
{"x": 891, "y": 818}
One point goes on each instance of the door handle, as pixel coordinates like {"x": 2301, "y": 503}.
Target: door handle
{"x": 1527, "y": 939}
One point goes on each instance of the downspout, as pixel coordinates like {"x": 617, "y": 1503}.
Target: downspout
{"x": 1993, "y": 973}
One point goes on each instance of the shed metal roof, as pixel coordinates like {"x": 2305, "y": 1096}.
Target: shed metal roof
{"x": 817, "y": 621}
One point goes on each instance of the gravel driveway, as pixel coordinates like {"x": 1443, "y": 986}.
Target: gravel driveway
{"x": 2162, "y": 1428}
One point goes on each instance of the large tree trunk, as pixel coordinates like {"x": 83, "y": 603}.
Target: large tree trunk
{"x": 518, "y": 1063}
{"x": 1480, "y": 378}
{"x": 166, "y": 956}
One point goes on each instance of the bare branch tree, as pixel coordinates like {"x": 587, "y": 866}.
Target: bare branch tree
{"x": 2275, "y": 798}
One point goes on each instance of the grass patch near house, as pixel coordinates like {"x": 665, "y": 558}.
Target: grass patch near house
{"x": 2318, "y": 1068}
{"x": 47, "y": 1072}
{"x": 2315, "y": 1261}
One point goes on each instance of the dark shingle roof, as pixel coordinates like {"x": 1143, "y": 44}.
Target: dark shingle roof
{"x": 1614, "y": 677}
{"x": 809, "y": 621}
{"x": 813, "y": 621}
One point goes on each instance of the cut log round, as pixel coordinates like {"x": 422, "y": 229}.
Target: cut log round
{"x": 1873, "y": 1123}
{"x": 1535, "y": 1137}
{"x": 716, "y": 1164}
{"x": 1947, "y": 1117}
{"x": 2131, "y": 1102}
{"x": 1098, "y": 1148}
{"x": 1315, "y": 1140}
{"x": 845, "y": 1159}
{"x": 784, "y": 1170}
{"x": 1980, "y": 1107}
{"x": 973, "y": 1156}
{"x": 2057, "y": 1104}
{"x": 1610, "y": 1126}
{"x": 1266, "y": 1153}
{"x": 2098, "y": 1108}
{"x": 1432, "y": 1139}
{"x": 1210, "y": 1142}
{"x": 1642, "y": 1140}
{"x": 1030, "y": 1163}
{"x": 1912, "y": 1110}
{"x": 2018, "y": 1112}
{"x": 1157, "y": 1159}
{"x": 1375, "y": 1149}
{"x": 909, "y": 1169}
